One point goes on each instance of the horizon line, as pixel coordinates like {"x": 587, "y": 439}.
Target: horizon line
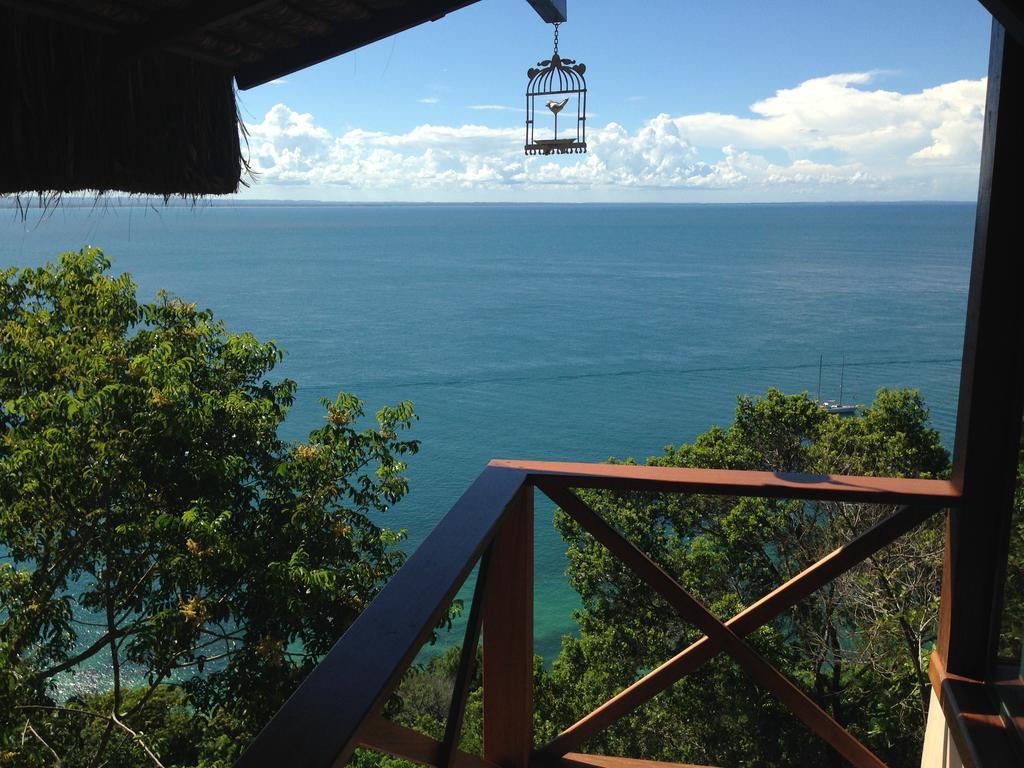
{"x": 100, "y": 200}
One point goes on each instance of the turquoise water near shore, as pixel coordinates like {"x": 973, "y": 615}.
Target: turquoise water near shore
{"x": 556, "y": 332}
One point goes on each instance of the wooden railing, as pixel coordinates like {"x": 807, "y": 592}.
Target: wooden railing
{"x": 338, "y": 707}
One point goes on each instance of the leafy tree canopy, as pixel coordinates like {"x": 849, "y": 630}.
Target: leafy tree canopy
{"x": 153, "y": 524}
{"x": 858, "y": 645}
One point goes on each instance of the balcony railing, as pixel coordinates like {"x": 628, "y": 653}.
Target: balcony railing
{"x": 338, "y": 707}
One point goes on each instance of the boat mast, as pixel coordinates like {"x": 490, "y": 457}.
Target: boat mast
{"x": 842, "y": 372}
{"x": 820, "y": 359}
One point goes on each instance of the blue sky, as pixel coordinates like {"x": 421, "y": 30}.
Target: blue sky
{"x": 689, "y": 102}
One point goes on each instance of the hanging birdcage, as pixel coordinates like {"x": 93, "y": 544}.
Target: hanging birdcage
{"x": 557, "y": 84}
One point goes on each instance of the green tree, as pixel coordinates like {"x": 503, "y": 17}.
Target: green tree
{"x": 857, "y": 646}
{"x": 1011, "y": 641}
{"x": 154, "y": 525}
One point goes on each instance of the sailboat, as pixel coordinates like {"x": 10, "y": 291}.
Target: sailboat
{"x": 835, "y": 406}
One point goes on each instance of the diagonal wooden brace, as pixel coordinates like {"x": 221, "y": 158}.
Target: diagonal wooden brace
{"x": 692, "y": 610}
{"x": 832, "y": 565}
{"x": 464, "y": 674}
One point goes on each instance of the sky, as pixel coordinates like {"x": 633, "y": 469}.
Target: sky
{"x": 724, "y": 101}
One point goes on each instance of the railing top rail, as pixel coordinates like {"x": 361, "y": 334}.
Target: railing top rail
{"x": 730, "y": 482}
{"x": 318, "y": 726}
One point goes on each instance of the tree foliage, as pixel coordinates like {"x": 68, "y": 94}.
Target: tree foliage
{"x": 1011, "y": 645}
{"x": 154, "y": 524}
{"x": 858, "y": 646}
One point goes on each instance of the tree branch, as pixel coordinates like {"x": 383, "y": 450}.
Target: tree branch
{"x": 108, "y": 718}
{"x": 41, "y": 740}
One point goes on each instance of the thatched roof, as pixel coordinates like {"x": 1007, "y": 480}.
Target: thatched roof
{"x": 138, "y": 95}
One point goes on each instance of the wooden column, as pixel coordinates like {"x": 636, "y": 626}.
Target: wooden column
{"x": 992, "y": 382}
{"x": 508, "y": 639}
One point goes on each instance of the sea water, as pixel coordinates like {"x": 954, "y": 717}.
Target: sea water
{"x": 556, "y": 332}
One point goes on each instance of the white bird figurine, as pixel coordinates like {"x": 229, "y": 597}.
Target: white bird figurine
{"x": 556, "y": 106}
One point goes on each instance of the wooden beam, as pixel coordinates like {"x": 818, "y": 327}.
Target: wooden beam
{"x": 318, "y": 725}
{"x": 103, "y": 26}
{"x": 175, "y": 22}
{"x": 508, "y": 639}
{"x": 764, "y": 610}
{"x": 346, "y": 38}
{"x": 1009, "y": 13}
{"x": 973, "y": 717}
{"x": 991, "y": 385}
{"x": 552, "y": 11}
{"x": 390, "y": 738}
{"x": 467, "y": 660}
{"x": 62, "y": 13}
{"x": 763, "y": 673}
{"x": 727, "y": 482}
{"x": 576, "y": 760}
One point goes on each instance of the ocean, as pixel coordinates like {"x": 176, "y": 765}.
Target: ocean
{"x": 558, "y": 332}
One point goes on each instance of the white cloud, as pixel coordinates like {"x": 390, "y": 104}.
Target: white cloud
{"x": 828, "y": 138}
{"x": 495, "y": 108}
{"x": 874, "y": 127}
{"x": 278, "y": 81}
{"x": 428, "y": 100}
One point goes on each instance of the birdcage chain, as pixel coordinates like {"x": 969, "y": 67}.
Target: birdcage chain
{"x": 557, "y": 23}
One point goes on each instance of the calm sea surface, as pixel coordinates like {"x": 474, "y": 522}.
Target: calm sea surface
{"x": 555, "y": 332}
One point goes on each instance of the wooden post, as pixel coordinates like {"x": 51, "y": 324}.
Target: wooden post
{"x": 989, "y": 413}
{"x": 508, "y": 638}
